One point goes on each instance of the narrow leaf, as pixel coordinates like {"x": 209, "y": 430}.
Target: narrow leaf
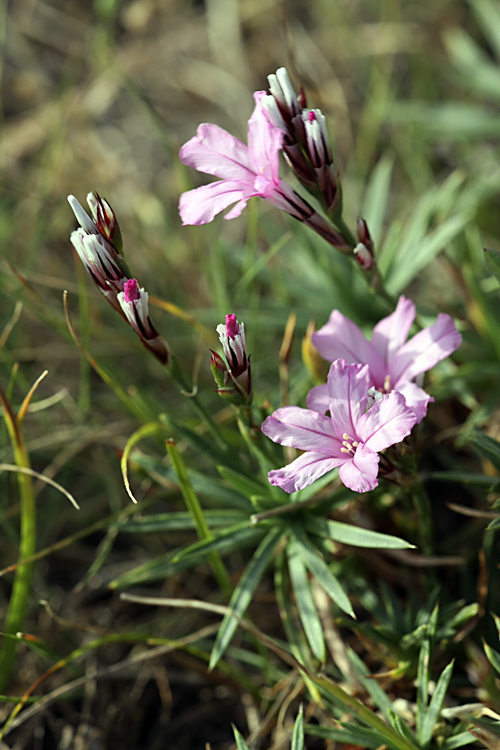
{"x": 432, "y": 713}
{"x": 305, "y": 603}
{"x": 244, "y": 591}
{"x": 298, "y": 732}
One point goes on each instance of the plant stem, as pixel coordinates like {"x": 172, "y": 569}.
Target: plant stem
{"x": 21, "y": 587}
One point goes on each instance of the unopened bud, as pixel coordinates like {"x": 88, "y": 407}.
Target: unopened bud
{"x": 105, "y": 220}
{"x": 232, "y": 376}
{"x": 364, "y": 256}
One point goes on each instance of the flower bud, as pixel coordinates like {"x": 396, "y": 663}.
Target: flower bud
{"x": 134, "y": 303}
{"x": 232, "y": 374}
{"x": 105, "y": 220}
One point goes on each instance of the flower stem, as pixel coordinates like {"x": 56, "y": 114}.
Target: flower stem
{"x": 21, "y": 587}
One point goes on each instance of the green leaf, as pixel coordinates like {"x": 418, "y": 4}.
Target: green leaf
{"x": 240, "y": 742}
{"x": 492, "y": 258}
{"x": 378, "y": 695}
{"x": 294, "y": 635}
{"x": 304, "y": 601}
{"x": 376, "y": 197}
{"x": 244, "y": 485}
{"x": 352, "y": 735}
{"x": 486, "y": 445}
{"x": 317, "y": 566}
{"x": 432, "y": 714}
{"x": 495, "y": 524}
{"x": 458, "y": 740}
{"x": 178, "y": 521}
{"x": 493, "y": 657}
{"x": 298, "y": 732}
{"x": 244, "y": 591}
{"x": 202, "y": 483}
{"x": 241, "y": 534}
{"x": 355, "y": 535}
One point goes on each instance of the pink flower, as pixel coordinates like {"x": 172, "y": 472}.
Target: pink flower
{"x": 246, "y": 171}
{"x": 393, "y": 362}
{"x": 350, "y": 438}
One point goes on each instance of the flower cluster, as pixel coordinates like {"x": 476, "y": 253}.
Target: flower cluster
{"x": 98, "y": 244}
{"x": 253, "y": 169}
{"x": 371, "y": 396}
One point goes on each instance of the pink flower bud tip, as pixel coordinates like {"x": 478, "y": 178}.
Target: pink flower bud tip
{"x": 311, "y": 115}
{"x": 232, "y": 326}
{"x": 131, "y": 290}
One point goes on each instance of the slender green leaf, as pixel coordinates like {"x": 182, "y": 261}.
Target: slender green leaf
{"x": 240, "y": 534}
{"x": 458, "y": 740}
{"x": 203, "y": 484}
{"x": 244, "y": 591}
{"x": 495, "y": 524}
{"x": 240, "y": 742}
{"x": 493, "y": 657}
{"x": 244, "y": 485}
{"x": 486, "y": 445}
{"x": 298, "y": 732}
{"x": 178, "y": 521}
{"x": 304, "y": 600}
{"x": 378, "y": 695}
{"x": 294, "y": 635}
{"x": 376, "y": 196}
{"x": 351, "y": 735}
{"x": 355, "y": 535}
{"x": 317, "y": 566}
{"x": 422, "y": 686}
{"x": 432, "y": 714}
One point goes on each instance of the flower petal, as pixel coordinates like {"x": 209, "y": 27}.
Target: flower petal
{"x": 340, "y": 337}
{"x": 416, "y": 399}
{"x": 391, "y": 332}
{"x": 199, "y": 206}
{"x": 215, "y": 151}
{"x": 347, "y": 389}
{"x": 303, "y": 471}
{"x": 318, "y": 399}
{"x": 304, "y": 429}
{"x": 360, "y": 472}
{"x": 386, "y": 423}
{"x": 264, "y": 144}
{"x": 424, "y": 350}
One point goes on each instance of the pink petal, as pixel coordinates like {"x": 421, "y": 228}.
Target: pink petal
{"x": 318, "y": 399}
{"x": 424, "y": 350}
{"x": 416, "y": 399}
{"x": 340, "y": 337}
{"x": 386, "y": 423}
{"x": 303, "y": 471}
{"x": 303, "y": 429}
{"x": 360, "y": 472}
{"x": 391, "y": 332}
{"x": 199, "y": 206}
{"x": 215, "y": 151}
{"x": 265, "y": 141}
{"x": 347, "y": 389}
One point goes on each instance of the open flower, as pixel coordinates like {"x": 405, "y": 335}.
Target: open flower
{"x": 349, "y": 438}
{"x": 393, "y": 362}
{"x": 245, "y": 171}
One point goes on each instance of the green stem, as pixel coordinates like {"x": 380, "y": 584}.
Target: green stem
{"x": 196, "y": 511}
{"x": 345, "y": 231}
{"x": 21, "y": 587}
{"x": 175, "y": 372}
